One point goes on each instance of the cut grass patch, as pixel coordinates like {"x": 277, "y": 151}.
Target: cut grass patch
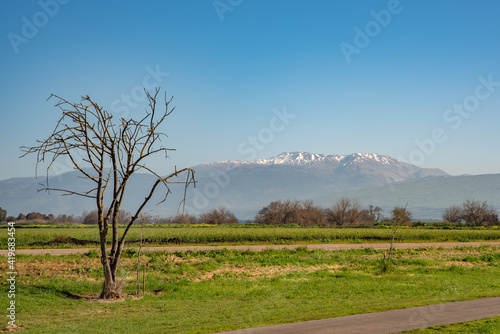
{"x": 483, "y": 326}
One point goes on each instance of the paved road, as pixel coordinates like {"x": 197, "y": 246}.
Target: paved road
{"x": 386, "y": 322}
{"x": 63, "y": 251}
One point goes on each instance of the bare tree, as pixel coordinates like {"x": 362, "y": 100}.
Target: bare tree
{"x": 453, "y": 214}
{"x": 302, "y": 213}
{"x": 374, "y": 213}
{"x": 337, "y": 214}
{"x": 277, "y": 213}
{"x": 35, "y": 216}
{"x": 3, "y": 215}
{"x": 62, "y": 219}
{"x": 477, "y": 213}
{"x": 182, "y": 218}
{"x": 92, "y": 218}
{"x": 346, "y": 211}
{"x": 108, "y": 151}
{"x": 312, "y": 215}
{"x": 400, "y": 217}
{"x": 220, "y": 216}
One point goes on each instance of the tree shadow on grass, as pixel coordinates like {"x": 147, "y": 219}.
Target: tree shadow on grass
{"x": 59, "y": 292}
{"x": 90, "y": 297}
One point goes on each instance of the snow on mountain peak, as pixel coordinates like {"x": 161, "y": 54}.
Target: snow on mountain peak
{"x": 305, "y": 158}
{"x": 296, "y": 158}
{"x": 354, "y": 164}
{"x": 358, "y": 157}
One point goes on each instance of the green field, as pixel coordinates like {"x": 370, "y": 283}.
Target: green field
{"x": 483, "y": 326}
{"x": 209, "y": 291}
{"x": 223, "y": 235}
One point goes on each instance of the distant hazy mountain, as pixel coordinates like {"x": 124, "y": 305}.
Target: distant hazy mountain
{"x": 246, "y": 186}
{"x": 377, "y": 165}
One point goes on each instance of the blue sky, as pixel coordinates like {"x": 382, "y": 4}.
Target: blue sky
{"x": 415, "y": 80}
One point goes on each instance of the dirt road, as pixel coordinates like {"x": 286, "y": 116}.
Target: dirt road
{"x": 63, "y": 251}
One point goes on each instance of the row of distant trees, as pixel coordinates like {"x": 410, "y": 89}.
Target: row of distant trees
{"x": 350, "y": 212}
{"x": 344, "y": 212}
{"x": 38, "y": 217}
{"x": 220, "y": 216}
{"x": 473, "y": 213}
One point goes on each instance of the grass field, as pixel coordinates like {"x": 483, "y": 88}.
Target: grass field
{"x": 208, "y": 291}
{"x": 71, "y": 237}
{"x": 484, "y": 326}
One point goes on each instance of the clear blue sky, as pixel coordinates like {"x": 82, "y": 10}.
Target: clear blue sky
{"x": 415, "y": 80}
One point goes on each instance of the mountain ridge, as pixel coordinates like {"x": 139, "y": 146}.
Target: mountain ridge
{"x": 245, "y": 187}
{"x": 305, "y": 158}
{"x": 373, "y": 162}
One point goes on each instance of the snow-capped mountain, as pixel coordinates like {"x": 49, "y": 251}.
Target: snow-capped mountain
{"x": 301, "y": 159}
{"x": 250, "y": 185}
{"x": 245, "y": 187}
{"x": 308, "y": 159}
{"x": 285, "y": 159}
{"x": 392, "y": 170}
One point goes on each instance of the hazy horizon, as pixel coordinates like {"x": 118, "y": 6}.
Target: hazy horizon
{"x": 67, "y": 168}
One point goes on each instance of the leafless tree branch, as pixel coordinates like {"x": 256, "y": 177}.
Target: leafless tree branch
{"x": 108, "y": 153}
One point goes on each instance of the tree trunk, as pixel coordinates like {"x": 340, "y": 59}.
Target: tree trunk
{"x": 111, "y": 288}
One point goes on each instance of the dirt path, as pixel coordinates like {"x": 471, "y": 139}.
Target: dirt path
{"x": 386, "y": 322}
{"x": 63, "y": 251}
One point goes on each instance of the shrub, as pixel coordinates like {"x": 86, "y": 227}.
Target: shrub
{"x": 349, "y": 212}
{"x": 302, "y": 213}
{"x": 220, "y": 216}
{"x": 477, "y": 213}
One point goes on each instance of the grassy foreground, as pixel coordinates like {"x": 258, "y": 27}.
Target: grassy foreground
{"x": 225, "y": 235}
{"x": 208, "y": 291}
{"x": 483, "y": 326}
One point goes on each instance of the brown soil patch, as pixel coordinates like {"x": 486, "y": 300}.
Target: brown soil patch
{"x": 68, "y": 269}
{"x": 462, "y": 264}
{"x": 11, "y": 329}
{"x": 253, "y": 273}
{"x": 94, "y": 298}
{"x": 44, "y": 268}
{"x": 65, "y": 241}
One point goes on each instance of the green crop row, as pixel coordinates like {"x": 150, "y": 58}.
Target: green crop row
{"x": 68, "y": 237}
